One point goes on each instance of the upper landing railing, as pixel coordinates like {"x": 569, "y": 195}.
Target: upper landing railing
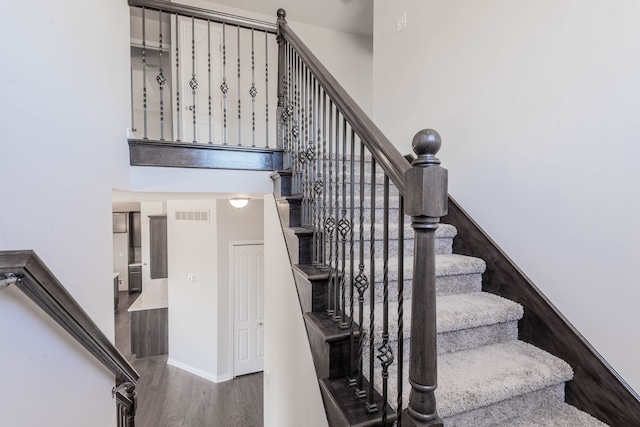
{"x": 26, "y": 271}
{"x": 202, "y": 77}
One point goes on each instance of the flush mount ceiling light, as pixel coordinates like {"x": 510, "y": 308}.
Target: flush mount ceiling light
{"x": 239, "y": 202}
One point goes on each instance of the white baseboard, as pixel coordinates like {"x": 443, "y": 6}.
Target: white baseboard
{"x": 199, "y": 372}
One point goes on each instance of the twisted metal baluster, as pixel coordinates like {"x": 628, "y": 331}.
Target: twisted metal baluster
{"x": 193, "y": 82}
{"x": 239, "y": 93}
{"x": 295, "y": 130}
{"x": 266, "y": 87}
{"x": 224, "y": 88}
{"x": 337, "y": 280}
{"x": 400, "y": 305}
{"x": 144, "y": 74}
{"x": 361, "y": 283}
{"x": 310, "y": 149}
{"x": 385, "y": 354}
{"x": 317, "y": 183}
{"x": 209, "y": 81}
{"x": 330, "y": 222}
{"x": 371, "y": 405}
{"x": 178, "y": 82}
{"x": 320, "y": 178}
{"x": 302, "y": 154}
{"x": 289, "y": 107}
{"x": 344, "y": 226}
{"x": 160, "y": 78}
{"x": 253, "y": 91}
{"x": 351, "y": 381}
{"x": 324, "y": 177}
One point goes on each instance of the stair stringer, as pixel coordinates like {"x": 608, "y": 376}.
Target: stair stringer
{"x": 596, "y": 388}
{"x": 327, "y": 341}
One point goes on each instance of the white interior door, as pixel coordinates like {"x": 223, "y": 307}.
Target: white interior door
{"x": 248, "y": 291}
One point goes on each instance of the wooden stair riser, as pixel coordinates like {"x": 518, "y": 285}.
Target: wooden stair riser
{"x": 330, "y": 345}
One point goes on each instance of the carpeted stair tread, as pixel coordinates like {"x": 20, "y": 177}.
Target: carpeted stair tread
{"x": 562, "y": 415}
{"x": 444, "y": 231}
{"x": 488, "y": 375}
{"x": 474, "y": 378}
{"x": 453, "y": 313}
{"x": 446, "y": 265}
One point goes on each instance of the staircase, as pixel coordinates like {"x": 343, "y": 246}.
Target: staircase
{"x": 486, "y": 376}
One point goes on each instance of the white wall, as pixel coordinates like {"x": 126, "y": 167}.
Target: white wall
{"x": 537, "y": 105}
{"x": 193, "y": 320}
{"x": 291, "y": 390}
{"x": 347, "y": 56}
{"x": 233, "y": 225}
{"x": 62, "y": 126}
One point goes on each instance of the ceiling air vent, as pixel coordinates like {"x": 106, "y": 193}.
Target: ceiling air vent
{"x": 202, "y": 215}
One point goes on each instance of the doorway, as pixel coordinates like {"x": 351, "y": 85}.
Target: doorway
{"x": 247, "y": 280}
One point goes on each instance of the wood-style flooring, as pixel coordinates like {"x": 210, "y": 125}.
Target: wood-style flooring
{"x": 171, "y": 397}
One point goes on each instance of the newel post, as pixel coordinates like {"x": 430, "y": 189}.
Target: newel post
{"x": 426, "y": 202}
{"x": 281, "y": 79}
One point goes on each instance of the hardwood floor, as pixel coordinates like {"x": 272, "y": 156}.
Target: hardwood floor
{"x": 168, "y": 396}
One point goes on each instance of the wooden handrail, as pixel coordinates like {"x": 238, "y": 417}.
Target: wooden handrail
{"x": 35, "y": 280}
{"x": 385, "y": 154}
{"x": 205, "y": 14}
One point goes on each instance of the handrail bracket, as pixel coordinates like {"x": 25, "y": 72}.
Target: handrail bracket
{"x": 9, "y": 279}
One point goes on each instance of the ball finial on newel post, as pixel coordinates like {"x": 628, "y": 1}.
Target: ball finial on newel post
{"x": 281, "y": 13}
{"x": 426, "y": 144}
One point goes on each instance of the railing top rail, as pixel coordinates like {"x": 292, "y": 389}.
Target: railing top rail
{"x": 201, "y": 13}
{"x": 36, "y": 281}
{"x": 385, "y": 154}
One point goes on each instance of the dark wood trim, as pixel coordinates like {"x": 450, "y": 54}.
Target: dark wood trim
{"x": 203, "y": 156}
{"x": 596, "y": 387}
{"x": 386, "y": 155}
{"x": 205, "y": 14}
{"x": 43, "y": 288}
{"x": 344, "y": 410}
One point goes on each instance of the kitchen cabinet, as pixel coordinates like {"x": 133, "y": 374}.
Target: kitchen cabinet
{"x": 158, "y": 246}
{"x": 135, "y": 229}
{"x": 119, "y": 222}
{"x": 135, "y": 278}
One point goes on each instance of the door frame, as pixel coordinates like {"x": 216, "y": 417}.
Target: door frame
{"x": 232, "y": 291}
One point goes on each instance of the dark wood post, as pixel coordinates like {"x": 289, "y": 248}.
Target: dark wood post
{"x": 130, "y": 393}
{"x": 281, "y": 79}
{"x": 426, "y": 202}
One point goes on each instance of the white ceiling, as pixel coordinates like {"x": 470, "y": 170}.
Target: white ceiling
{"x": 350, "y": 16}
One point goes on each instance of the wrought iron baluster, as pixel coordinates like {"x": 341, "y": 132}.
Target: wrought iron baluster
{"x": 344, "y": 226}
{"x": 193, "y": 82}
{"x": 266, "y": 87}
{"x": 178, "y": 82}
{"x": 337, "y": 279}
{"x": 239, "y": 93}
{"x": 352, "y": 353}
{"x": 253, "y": 91}
{"x": 371, "y": 405}
{"x": 224, "y": 88}
{"x": 209, "y": 81}
{"x": 160, "y": 78}
{"x": 319, "y": 185}
{"x": 310, "y": 149}
{"x": 400, "y": 378}
{"x": 302, "y": 154}
{"x": 330, "y": 223}
{"x": 295, "y": 131}
{"x": 288, "y": 110}
{"x": 324, "y": 178}
{"x": 314, "y": 179}
{"x": 144, "y": 74}
{"x": 385, "y": 354}
{"x": 361, "y": 283}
